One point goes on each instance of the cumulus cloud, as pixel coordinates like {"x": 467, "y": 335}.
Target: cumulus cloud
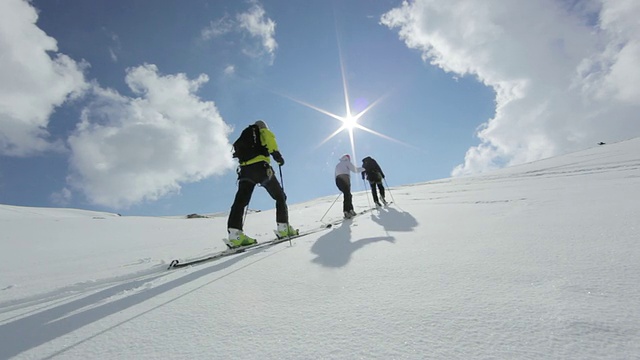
{"x": 258, "y": 25}
{"x": 127, "y": 150}
{"x": 255, "y": 23}
{"x": 565, "y": 75}
{"x": 34, "y": 80}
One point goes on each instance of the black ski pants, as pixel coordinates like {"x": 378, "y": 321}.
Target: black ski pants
{"x": 343, "y": 182}
{"x": 249, "y": 176}
{"x": 380, "y": 187}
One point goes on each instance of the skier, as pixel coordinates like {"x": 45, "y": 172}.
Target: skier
{"x": 343, "y": 182}
{"x": 252, "y": 149}
{"x": 375, "y": 175}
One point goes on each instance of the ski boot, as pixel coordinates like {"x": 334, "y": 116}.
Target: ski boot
{"x": 238, "y": 239}
{"x": 285, "y": 230}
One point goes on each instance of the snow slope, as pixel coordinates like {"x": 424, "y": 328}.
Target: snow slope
{"x": 538, "y": 261}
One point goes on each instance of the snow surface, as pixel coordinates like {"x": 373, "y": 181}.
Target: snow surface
{"x": 538, "y": 261}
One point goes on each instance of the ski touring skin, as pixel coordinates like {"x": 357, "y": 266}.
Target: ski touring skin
{"x": 175, "y": 264}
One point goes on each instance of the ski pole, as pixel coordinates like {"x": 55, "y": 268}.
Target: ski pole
{"x": 334, "y": 201}
{"x": 389, "y": 191}
{"x": 366, "y": 192}
{"x": 285, "y": 196}
{"x": 246, "y": 210}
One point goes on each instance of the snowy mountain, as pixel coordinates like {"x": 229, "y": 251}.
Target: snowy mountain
{"x": 537, "y": 261}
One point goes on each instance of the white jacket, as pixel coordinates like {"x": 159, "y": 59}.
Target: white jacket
{"x": 345, "y": 167}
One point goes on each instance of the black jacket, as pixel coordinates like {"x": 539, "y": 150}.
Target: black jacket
{"x": 372, "y": 170}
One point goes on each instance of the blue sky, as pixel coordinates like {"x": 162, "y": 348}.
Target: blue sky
{"x": 131, "y": 107}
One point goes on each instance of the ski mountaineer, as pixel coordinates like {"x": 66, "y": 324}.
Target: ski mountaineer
{"x": 343, "y": 181}
{"x": 375, "y": 175}
{"x": 255, "y": 169}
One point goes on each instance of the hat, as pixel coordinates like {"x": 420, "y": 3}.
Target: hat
{"x": 345, "y": 157}
{"x": 261, "y": 124}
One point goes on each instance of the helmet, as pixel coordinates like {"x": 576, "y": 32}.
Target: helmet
{"x": 345, "y": 157}
{"x": 261, "y": 124}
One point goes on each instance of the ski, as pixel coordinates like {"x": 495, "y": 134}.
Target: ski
{"x": 340, "y": 221}
{"x": 175, "y": 264}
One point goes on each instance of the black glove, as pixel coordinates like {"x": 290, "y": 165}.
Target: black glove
{"x": 363, "y": 175}
{"x": 277, "y": 157}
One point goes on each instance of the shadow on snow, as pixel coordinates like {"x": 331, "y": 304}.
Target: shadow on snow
{"x": 39, "y": 328}
{"x": 335, "y": 248}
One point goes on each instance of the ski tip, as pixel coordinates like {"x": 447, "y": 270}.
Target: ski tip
{"x": 172, "y": 264}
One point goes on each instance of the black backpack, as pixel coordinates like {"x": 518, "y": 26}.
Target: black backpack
{"x": 368, "y": 164}
{"x": 372, "y": 169}
{"x": 249, "y": 145}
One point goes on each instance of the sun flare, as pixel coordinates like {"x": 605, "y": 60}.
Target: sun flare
{"x": 350, "y": 122}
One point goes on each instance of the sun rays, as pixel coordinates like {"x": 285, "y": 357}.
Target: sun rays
{"x": 349, "y": 120}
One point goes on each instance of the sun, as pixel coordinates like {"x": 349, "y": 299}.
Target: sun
{"x": 350, "y": 122}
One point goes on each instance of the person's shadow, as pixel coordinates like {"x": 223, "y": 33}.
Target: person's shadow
{"x": 334, "y": 249}
{"x": 394, "y": 220}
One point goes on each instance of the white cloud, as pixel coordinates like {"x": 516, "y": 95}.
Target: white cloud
{"x": 562, "y": 80}
{"x": 229, "y": 70}
{"x": 218, "y": 27}
{"x": 113, "y": 55}
{"x": 116, "y": 46}
{"x": 62, "y": 197}
{"x": 253, "y": 22}
{"x": 34, "y": 80}
{"x": 620, "y": 75}
{"x": 127, "y": 150}
{"x": 258, "y": 25}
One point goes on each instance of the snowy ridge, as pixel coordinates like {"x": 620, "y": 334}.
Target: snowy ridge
{"x": 537, "y": 261}
{"x": 9, "y": 212}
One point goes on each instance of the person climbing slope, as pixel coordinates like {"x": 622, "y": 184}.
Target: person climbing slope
{"x": 374, "y": 175}
{"x": 344, "y": 168}
{"x": 252, "y": 149}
